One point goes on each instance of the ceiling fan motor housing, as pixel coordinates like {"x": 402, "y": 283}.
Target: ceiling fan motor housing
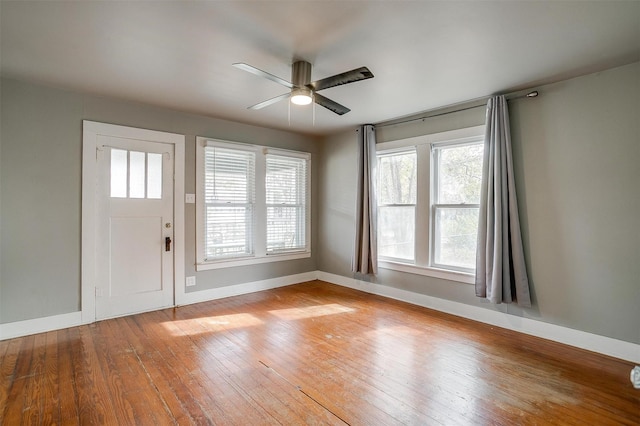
{"x": 301, "y": 73}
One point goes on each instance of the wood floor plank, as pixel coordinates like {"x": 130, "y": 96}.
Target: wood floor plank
{"x": 19, "y": 383}
{"x": 312, "y": 353}
{"x": 171, "y": 362}
{"x": 10, "y": 350}
{"x": 94, "y": 398}
{"x": 67, "y": 391}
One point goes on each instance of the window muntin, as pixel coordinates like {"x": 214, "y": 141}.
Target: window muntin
{"x": 397, "y": 205}
{"x": 256, "y": 213}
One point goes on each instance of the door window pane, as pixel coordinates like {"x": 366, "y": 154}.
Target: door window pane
{"x": 154, "y": 176}
{"x": 136, "y": 174}
{"x": 119, "y": 173}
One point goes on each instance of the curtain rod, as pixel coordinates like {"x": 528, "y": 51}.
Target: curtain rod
{"x": 531, "y": 94}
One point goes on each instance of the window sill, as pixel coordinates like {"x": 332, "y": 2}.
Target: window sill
{"x": 444, "y": 274}
{"x": 245, "y": 261}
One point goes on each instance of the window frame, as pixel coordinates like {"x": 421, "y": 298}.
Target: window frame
{"x": 424, "y": 213}
{"x": 259, "y": 236}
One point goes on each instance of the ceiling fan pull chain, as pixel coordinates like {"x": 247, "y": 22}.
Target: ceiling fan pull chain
{"x": 289, "y": 112}
{"x": 313, "y": 123}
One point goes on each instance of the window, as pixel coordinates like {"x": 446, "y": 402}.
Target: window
{"x": 135, "y": 174}
{"x": 428, "y": 203}
{"x": 456, "y": 204}
{"x": 252, "y": 204}
{"x": 229, "y": 199}
{"x": 397, "y": 205}
{"x": 286, "y": 192}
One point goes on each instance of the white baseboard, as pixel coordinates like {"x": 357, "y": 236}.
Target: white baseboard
{"x": 244, "y": 288}
{"x": 580, "y": 339}
{"x": 58, "y": 322}
{"x": 39, "y": 325}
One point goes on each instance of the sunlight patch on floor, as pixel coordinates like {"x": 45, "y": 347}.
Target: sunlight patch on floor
{"x": 311, "y": 311}
{"x": 208, "y": 324}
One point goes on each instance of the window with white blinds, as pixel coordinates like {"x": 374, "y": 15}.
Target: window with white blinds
{"x": 286, "y": 202}
{"x": 229, "y": 198}
{"x": 252, "y": 204}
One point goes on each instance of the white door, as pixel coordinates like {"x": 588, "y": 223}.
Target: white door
{"x": 134, "y": 249}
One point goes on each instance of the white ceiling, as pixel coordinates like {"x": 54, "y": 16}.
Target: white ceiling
{"x": 424, "y": 54}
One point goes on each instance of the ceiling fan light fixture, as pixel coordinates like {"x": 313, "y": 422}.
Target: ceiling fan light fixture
{"x": 301, "y": 96}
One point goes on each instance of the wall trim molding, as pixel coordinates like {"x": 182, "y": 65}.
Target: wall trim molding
{"x": 592, "y": 342}
{"x": 91, "y": 131}
{"x": 581, "y": 339}
{"x": 11, "y": 330}
{"x": 245, "y": 288}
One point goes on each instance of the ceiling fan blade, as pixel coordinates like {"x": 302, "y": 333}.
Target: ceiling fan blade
{"x": 330, "y": 105}
{"x": 259, "y": 72}
{"x": 270, "y": 101}
{"x": 352, "y": 76}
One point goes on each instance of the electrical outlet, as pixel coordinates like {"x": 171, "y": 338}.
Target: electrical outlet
{"x": 190, "y": 198}
{"x": 190, "y": 281}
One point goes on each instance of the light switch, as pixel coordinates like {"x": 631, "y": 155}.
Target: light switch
{"x": 190, "y": 198}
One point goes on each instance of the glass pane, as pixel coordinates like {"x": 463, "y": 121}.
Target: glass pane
{"x": 118, "y": 173}
{"x": 285, "y": 180}
{"x": 456, "y": 237}
{"x": 228, "y": 231}
{"x": 460, "y": 174}
{"x": 285, "y": 228}
{"x": 396, "y": 231}
{"x": 397, "y": 178}
{"x": 154, "y": 175}
{"x": 136, "y": 174}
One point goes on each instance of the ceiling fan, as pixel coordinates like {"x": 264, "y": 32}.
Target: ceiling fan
{"x": 303, "y": 90}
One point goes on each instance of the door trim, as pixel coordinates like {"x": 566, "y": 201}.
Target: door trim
{"x": 90, "y": 132}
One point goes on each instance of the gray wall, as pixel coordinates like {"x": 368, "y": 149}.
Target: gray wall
{"x": 577, "y": 160}
{"x": 576, "y": 153}
{"x": 40, "y": 192}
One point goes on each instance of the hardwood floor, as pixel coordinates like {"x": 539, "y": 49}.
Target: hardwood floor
{"x": 312, "y": 353}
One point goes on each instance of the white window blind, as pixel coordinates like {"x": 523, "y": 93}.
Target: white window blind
{"x": 229, "y": 198}
{"x": 286, "y": 203}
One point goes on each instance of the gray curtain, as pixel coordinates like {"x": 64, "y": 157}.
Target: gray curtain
{"x": 365, "y": 250}
{"x": 501, "y": 273}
